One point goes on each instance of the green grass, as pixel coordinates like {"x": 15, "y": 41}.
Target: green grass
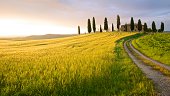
{"x": 93, "y": 65}
{"x": 155, "y": 46}
{"x": 149, "y": 63}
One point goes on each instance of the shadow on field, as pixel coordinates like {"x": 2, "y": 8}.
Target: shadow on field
{"x": 130, "y": 37}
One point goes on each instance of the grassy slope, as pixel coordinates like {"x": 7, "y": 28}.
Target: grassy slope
{"x": 156, "y": 46}
{"x": 81, "y": 65}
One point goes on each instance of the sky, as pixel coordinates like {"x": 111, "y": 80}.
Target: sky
{"x": 38, "y": 17}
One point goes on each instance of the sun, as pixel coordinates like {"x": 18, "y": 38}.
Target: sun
{"x": 19, "y": 27}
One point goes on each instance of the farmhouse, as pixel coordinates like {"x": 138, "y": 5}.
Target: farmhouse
{"x": 123, "y": 27}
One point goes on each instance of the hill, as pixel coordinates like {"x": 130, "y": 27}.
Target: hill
{"x": 36, "y": 37}
{"x": 91, "y": 64}
{"x": 155, "y": 46}
{"x": 49, "y": 36}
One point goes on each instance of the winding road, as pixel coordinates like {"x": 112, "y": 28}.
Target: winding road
{"x": 161, "y": 82}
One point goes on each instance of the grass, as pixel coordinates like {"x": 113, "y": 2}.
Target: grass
{"x": 155, "y": 46}
{"x": 93, "y": 65}
{"x": 149, "y": 63}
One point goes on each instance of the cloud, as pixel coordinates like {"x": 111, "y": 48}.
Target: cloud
{"x": 76, "y": 12}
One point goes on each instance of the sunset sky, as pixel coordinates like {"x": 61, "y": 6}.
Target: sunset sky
{"x": 36, "y": 17}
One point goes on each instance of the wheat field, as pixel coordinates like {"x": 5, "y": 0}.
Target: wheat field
{"x": 85, "y": 65}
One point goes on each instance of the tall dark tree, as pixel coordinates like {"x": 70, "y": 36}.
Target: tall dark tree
{"x": 89, "y": 26}
{"x": 162, "y": 27}
{"x": 101, "y": 28}
{"x": 145, "y": 27}
{"x": 79, "y": 30}
{"x": 94, "y": 25}
{"x": 118, "y": 22}
{"x": 139, "y": 25}
{"x": 112, "y": 27}
{"x": 132, "y": 24}
{"x": 105, "y": 24}
{"x": 154, "y": 27}
{"x": 126, "y": 27}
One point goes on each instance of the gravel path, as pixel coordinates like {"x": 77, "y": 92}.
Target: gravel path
{"x": 162, "y": 83}
{"x": 145, "y": 57}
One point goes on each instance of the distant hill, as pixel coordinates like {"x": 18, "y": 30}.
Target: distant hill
{"x": 48, "y": 36}
{"x": 37, "y": 37}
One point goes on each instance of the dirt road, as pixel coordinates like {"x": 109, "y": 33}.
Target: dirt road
{"x": 161, "y": 82}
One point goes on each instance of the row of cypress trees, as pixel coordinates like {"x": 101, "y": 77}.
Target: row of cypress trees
{"x": 146, "y": 29}
{"x": 132, "y": 24}
{"x": 106, "y": 27}
{"x": 93, "y": 28}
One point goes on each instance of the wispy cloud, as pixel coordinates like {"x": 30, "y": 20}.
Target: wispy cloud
{"x": 76, "y": 12}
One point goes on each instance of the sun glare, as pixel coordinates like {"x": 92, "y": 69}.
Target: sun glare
{"x": 12, "y": 27}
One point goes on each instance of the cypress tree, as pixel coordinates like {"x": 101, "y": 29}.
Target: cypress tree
{"x": 139, "y": 25}
{"x": 79, "y": 30}
{"x": 89, "y": 26}
{"x": 132, "y": 24}
{"x": 145, "y": 27}
{"x": 94, "y": 25}
{"x": 112, "y": 27}
{"x": 118, "y": 22}
{"x": 101, "y": 28}
{"x": 162, "y": 27}
{"x": 105, "y": 24}
{"x": 154, "y": 27}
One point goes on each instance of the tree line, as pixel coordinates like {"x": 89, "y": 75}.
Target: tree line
{"x": 92, "y": 27}
{"x": 145, "y": 27}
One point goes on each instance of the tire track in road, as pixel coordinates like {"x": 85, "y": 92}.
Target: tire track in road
{"x": 161, "y": 82}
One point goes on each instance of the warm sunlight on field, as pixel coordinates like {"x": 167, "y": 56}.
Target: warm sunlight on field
{"x": 19, "y": 27}
{"x": 84, "y": 47}
{"x": 90, "y": 64}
